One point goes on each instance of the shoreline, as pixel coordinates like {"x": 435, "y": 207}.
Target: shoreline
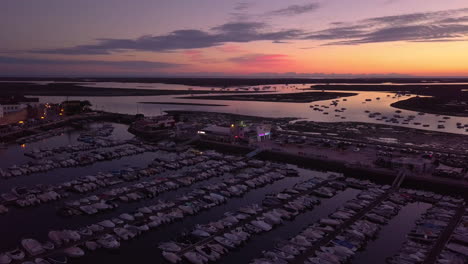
{"x": 422, "y": 104}
{"x": 173, "y": 103}
{"x": 324, "y": 164}
{"x": 302, "y": 97}
{"x": 65, "y": 89}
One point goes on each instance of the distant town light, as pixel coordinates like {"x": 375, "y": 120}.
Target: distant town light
{"x": 23, "y": 145}
{"x": 21, "y": 122}
{"x": 201, "y": 132}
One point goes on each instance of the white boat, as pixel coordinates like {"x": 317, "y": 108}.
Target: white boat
{"x": 123, "y": 233}
{"x": 195, "y": 257}
{"x": 5, "y": 259}
{"x": 107, "y": 224}
{"x": 169, "y": 246}
{"x": 32, "y": 246}
{"x": 91, "y": 245}
{"x": 16, "y": 254}
{"x": 41, "y": 261}
{"x": 171, "y": 257}
{"x": 74, "y": 252}
{"x": 108, "y": 242}
{"x": 208, "y": 253}
{"x": 262, "y": 225}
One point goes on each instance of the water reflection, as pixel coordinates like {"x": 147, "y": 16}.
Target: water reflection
{"x": 356, "y": 107}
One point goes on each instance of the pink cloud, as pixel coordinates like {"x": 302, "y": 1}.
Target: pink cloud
{"x": 271, "y": 62}
{"x": 256, "y": 59}
{"x": 230, "y": 49}
{"x": 198, "y": 56}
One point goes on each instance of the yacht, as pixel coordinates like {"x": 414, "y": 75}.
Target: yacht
{"x": 170, "y": 246}
{"x": 74, "y": 252}
{"x": 171, "y": 257}
{"x": 195, "y": 257}
{"x": 91, "y": 245}
{"x": 58, "y": 259}
{"x": 208, "y": 252}
{"x": 5, "y": 259}
{"x": 32, "y": 246}
{"x": 108, "y": 241}
{"x": 16, "y": 254}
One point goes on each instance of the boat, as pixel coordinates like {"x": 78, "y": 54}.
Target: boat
{"x": 171, "y": 257}
{"x": 208, "y": 252}
{"x": 195, "y": 257}
{"x": 91, "y": 245}
{"x": 32, "y": 246}
{"x": 58, "y": 259}
{"x": 108, "y": 241}
{"x": 16, "y": 254}
{"x": 123, "y": 233}
{"x": 5, "y": 259}
{"x": 154, "y": 128}
{"x": 41, "y": 261}
{"x": 74, "y": 252}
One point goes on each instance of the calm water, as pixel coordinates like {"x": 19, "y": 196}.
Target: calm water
{"x": 355, "y": 107}
{"x": 36, "y": 222}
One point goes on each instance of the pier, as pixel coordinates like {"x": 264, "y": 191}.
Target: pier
{"x": 251, "y": 218}
{"x": 324, "y": 241}
{"x": 445, "y": 237}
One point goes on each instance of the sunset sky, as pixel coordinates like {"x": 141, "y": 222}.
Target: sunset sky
{"x": 231, "y": 38}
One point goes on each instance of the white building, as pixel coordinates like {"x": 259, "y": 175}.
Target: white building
{"x": 11, "y": 108}
{"x": 263, "y": 132}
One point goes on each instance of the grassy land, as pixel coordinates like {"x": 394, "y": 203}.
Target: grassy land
{"x": 433, "y": 105}
{"x": 70, "y": 89}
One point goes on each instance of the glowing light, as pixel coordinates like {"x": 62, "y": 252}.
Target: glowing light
{"x": 23, "y": 145}
{"x": 20, "y": 122}
{"x": 42, "y": 117}
{"x": 232, "y": 125}
{"x": 201, "y": 132}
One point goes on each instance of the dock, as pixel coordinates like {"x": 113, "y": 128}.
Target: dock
{"x": 445, "y": 237}
{"x": 324, "y": 241}
{"x": 249, "y": 219}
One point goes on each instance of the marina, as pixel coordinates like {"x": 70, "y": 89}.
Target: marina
{"x": 105, "y": 193}
{"x": 234, "y": 132}
{"x": 172, "y": 186}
